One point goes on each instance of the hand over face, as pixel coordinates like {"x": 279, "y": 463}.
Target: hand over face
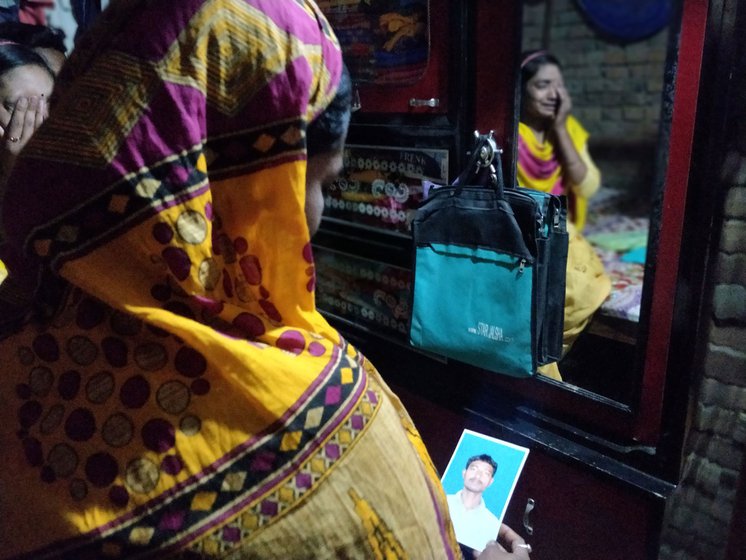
{"x": 564, "y": 105}
{"x": 27, "y": 116}
{"x": 546, "y": 99}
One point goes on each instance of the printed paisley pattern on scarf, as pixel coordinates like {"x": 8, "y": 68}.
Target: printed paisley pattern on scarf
{"x": 185, "y": 398}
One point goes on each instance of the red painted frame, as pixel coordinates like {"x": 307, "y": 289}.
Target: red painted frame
{"x": 433, "y": 84}
{"x": 498, "y": 49}
{"x": 693, "y": 28}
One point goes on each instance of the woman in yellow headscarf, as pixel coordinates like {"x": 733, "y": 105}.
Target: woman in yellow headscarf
{"x": 553, "y": 157}
{"x": 168, "y": 388}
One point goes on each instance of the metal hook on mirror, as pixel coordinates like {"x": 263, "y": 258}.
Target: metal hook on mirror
{"x": 487, "y": 148}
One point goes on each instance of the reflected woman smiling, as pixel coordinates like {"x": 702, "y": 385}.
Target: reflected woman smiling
{"x": 553, "y": 157}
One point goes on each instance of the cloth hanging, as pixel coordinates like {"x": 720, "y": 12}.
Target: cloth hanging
{"x": 34, "y": 12}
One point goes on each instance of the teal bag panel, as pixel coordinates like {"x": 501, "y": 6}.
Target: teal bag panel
{"x": 455, "y": 314}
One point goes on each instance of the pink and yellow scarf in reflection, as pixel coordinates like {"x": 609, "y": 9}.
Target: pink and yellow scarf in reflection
{"x": 538, "y": 167}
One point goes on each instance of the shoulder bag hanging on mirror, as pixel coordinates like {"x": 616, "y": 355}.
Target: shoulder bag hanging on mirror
{"x": 489, "y": 270}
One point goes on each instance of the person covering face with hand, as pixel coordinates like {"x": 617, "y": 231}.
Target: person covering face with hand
{"x": 26, "y": 83}
{"x": 552, "y": 153}
{"x": 553, "y": 157}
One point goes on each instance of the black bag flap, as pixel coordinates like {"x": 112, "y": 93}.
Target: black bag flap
{"x": 474, "y": 216}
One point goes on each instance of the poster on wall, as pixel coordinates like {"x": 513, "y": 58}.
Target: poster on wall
{"x": 479, "y": 482}
{"x": 382, "y": 186}
{"x": 383, "y": 41}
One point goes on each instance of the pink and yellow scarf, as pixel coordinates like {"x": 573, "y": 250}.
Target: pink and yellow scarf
{"x": 539, "y": 168}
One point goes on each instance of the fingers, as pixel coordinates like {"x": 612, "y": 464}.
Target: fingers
{"x": 496, "y": 544}
{"x": 493, "y": 551}
{"x": 29, "y": 118}
{"x": 513, "y": 541}
{"x": 508, "y": 535}
{"x": 14, "y": 130}
{"x": 41, "y": 114}
{"x": 564, "y": 97}
{"x": 28, "y": 115}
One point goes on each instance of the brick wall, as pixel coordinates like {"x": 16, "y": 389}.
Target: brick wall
{"x": 616, "y": 89}
{"x": 699, "y": 512}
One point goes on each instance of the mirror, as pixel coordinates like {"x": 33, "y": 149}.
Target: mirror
{"x": 614, "y": 59}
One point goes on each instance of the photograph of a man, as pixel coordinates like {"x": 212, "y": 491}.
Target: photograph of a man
{"x": 478, "y": 491}
{"x": 474, "y": 523}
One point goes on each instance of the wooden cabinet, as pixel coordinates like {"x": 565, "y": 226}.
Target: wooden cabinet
{"x": 468, "y": 82}
{"x": 397, "y": 52}
{"x": 430, "y": 93}
{"x": 476, "y": 60}
{"x": 600, "y": 469}
{"x": 581, "y": 512}
{"x": 585, "y": 504}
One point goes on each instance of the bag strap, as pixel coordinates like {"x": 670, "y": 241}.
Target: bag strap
{"x": 484, "y": 167}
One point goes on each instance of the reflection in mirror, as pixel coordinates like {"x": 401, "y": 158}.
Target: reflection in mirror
{"x": 613, "y": 68}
